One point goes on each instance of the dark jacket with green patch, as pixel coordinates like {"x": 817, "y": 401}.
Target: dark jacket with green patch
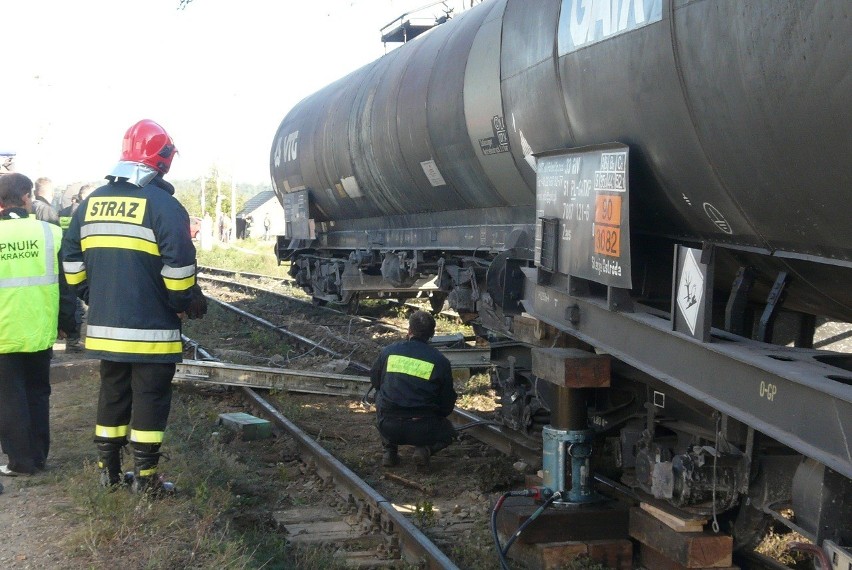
{"x": 413, "y": 379}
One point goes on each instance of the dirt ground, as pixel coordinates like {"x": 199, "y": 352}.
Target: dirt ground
{"x": 31, "y": 531}
{"x": 41, "y": 527}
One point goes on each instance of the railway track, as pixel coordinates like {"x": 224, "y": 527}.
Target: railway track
{"x": 504, "y": 440}
{"x": 371, "y": 531}
{"x": 354, "y": 515}
{"x": 294, "y": 292}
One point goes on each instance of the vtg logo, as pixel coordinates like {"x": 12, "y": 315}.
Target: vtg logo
{"x": 288, "y": 147}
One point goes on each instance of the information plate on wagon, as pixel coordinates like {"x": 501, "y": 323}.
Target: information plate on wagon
{"x": 582, "y": 203}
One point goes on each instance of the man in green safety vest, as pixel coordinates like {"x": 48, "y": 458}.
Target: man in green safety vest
{"x": 29, "y": 317}
{"x": 414, "y": 394}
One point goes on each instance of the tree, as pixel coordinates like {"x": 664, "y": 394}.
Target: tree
{"x": 188, "y": 192}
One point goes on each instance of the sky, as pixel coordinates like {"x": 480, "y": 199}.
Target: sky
{"x": 219, "y": 76}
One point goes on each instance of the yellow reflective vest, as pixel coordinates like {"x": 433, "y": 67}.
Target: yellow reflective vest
{"x": 29, "y": 283}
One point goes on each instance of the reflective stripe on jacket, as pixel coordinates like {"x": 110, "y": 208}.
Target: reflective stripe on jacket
{"x": 131, "y": 247}
{"x": 413, "y": 379}
{"x": 29, "y": 284}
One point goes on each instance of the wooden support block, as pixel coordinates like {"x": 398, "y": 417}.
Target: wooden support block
{"x": 689, "y": 549}
{"x": 673, "y": 521}
{"x": 595, "y": 521}
{"x": 653, "y": 560}
{"x": 529, "y": 330}
{"x": 571, "y": 367}
{"x": 614, "y": 554}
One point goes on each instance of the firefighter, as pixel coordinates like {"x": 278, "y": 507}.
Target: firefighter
{"x": 129, "y": 253}
{"x": 414, "y": 394}
{"x": 29, "y": 316}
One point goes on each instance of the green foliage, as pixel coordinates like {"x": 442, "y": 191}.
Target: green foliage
{"x": 216, "y": 183}
{"x": 250, "y": 256}
{"x": 424, "y": 512}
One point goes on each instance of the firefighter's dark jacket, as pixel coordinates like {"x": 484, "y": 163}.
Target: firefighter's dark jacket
{"x": 129, "y": 251}
{"x": 413, "y": 379}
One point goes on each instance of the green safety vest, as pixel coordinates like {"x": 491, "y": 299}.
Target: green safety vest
{"x": 29, "y": 284}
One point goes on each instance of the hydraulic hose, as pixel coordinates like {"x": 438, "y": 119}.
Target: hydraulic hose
{"x": 529, "y": 521}
{"x": 537, "y": 492}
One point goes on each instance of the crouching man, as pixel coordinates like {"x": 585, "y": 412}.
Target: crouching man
{"x": 414, "y": 387}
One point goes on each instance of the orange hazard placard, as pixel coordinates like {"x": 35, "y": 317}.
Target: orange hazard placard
{"x": 608, "y": 209}
{"x": 607, "y": 240}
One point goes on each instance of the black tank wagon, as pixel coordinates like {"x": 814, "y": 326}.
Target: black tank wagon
{"x": 479, "y": 162}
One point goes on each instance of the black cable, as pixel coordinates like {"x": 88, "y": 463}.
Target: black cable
{"x": 501, "y": 552}
{"x": 365, "y": 399}
{"x": 529, "y": 521}
{"x": 504, "y": 565}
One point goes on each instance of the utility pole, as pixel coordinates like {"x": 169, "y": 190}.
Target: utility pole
{"x": 233, "y": 208}
{"x": 219, "y": 220}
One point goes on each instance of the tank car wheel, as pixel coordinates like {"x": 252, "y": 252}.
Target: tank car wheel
{"x": 436, "y": 302}
{"x": 749, "y": 527}
{"x": 353, "y": 304}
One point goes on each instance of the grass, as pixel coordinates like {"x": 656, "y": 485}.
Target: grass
{"x": 476, "y": 393}
{"x": 218, "y": 519}
{"x": 251, "y": 256}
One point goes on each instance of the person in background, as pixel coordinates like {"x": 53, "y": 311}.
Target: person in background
{"x": 29, "y": 317}
{"x": 129, "y": 253}
{"x": 66, "y": 213}
{"x": 267, "y": 223}
{"x": 414, "y": 394}
{"x": 67, "y": 294}
{"x": 249, "y": 222}
{"x": 43, "y": 203}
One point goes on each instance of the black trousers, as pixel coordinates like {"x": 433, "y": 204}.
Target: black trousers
{"x": 138, "y": 395}
{"x": 25, "y": 409}
{"x": 434, "y": 432}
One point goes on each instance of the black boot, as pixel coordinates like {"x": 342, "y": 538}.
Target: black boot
{"x": 390, "y": 458}
{"x": 109, "y": 462}
{"x": 146, "y": 479}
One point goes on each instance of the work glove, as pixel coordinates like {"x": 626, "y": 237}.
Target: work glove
{"x": 198, "y": 305}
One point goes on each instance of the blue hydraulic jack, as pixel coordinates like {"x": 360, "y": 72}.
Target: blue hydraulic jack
{"x": 578, "y": 513}
{"x": 559, "y": 447}
{"x": 567, "y": 448}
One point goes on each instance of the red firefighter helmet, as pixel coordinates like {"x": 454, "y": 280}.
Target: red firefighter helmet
{"x": 148, "y": 143}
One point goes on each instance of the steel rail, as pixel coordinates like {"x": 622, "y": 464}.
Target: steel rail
{"x": 303, "y": 381}
{"x": 288, "y": 298}
{"x": 258, "y": 276}
{"x": 284, "y": 332}
{"x": 415, "y": 546}
{"x": 503, "y": 440}
{"x": 500, "y": 438}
